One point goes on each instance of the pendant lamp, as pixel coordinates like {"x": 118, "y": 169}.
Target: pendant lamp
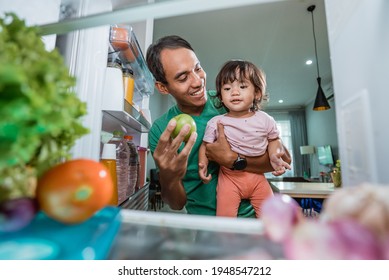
{"x": 321, "y": 102}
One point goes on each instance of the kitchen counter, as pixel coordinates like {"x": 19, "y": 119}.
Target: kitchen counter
{"x": 303, "y": 189}
{"x": 156, "y": 235}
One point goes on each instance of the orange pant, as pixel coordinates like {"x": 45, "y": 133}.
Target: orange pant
{"x": 235, "y": 185}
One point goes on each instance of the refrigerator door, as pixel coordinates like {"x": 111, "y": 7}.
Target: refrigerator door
{"x": 85, "y": 53}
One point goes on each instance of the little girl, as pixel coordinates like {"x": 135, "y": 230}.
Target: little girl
{"x": 240, "y": 87}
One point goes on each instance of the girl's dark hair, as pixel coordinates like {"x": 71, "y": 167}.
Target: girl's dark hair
{"x": 240, "y": 70}
{"x": 153, "y": 56}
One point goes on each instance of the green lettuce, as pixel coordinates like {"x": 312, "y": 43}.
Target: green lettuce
{"x": 40, "y": 115}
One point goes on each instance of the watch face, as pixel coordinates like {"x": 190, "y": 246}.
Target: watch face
{"x": 240, "y": 164}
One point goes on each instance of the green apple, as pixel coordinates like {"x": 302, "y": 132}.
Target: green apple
{"x": 181, "y": 120}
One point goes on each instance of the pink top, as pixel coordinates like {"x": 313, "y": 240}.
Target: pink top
{"x": 247, "y": 136}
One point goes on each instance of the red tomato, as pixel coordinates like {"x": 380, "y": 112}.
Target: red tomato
{"x": 73, "y": 191}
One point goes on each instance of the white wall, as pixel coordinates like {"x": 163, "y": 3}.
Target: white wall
{"x": 321, "y": 130}
{"x": 359, "y": 44}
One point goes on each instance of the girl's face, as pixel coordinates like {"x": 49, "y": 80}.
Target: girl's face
{"x": 238, "y": 97}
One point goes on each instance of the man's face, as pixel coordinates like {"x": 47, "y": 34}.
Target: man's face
{"x": 185, "y": 79}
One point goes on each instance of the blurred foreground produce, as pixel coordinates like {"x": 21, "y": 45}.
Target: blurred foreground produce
{"x": 353, "y": 225}
{"x": 73, "y": 191}
{"x": 280, "y": 214}
{"x": 367, "y": 204}
{"x": 40, "y": 116}
{"x": 16, "y": 213}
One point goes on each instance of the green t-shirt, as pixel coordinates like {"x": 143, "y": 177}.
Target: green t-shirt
{"x": 201, "y": 198}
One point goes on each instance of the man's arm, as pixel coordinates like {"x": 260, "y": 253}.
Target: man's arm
{"x": 220, "y": 152}
{"x": 172, "y": 165}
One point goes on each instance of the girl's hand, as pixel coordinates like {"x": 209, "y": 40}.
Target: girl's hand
{"x": 278, "y": 164}
{"x": 203, "y": 170}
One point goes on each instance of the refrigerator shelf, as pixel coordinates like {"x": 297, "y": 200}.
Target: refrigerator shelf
{"x": 126, "y": 48}
{"x": 139, "y": 200}
{"x": 47, "y": 239}
{"x": 129, "y": 117}
{"x": 170, "y": 236}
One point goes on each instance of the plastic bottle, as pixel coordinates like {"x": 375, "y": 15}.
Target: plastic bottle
{"x": 142, "y": 152}
{"x": 108, "y": 158}
{"x": 122, "y": 162}
{"x": 133, "y": 166}
{"x": 128, "y": 83}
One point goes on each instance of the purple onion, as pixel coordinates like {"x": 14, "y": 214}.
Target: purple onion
{"x": 280, "y": 213}
{"x": 312, "y": 240}
{"x": 358, "y": 242}
{"x": 336, "y": 240}
{"x": 385, "y": 248}
{"x": 16, "y": 213}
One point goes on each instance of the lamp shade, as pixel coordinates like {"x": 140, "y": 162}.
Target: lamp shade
{"x": 307, "y": 150}
{"x": 321, "y": 102}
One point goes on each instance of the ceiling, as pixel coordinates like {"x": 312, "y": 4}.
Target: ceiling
{"x": 276, "y": 36}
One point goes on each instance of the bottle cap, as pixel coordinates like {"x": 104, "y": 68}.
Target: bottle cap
{"x": 128, "y": 137}
{"x": 109, "y": 151}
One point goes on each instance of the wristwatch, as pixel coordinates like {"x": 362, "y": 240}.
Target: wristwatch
{"x": 240, "y": 163}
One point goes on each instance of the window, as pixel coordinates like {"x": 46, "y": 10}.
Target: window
{"x": 286, "y": 136}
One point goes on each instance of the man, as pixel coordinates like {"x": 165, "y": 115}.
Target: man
{"x": 178, "y": 72}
